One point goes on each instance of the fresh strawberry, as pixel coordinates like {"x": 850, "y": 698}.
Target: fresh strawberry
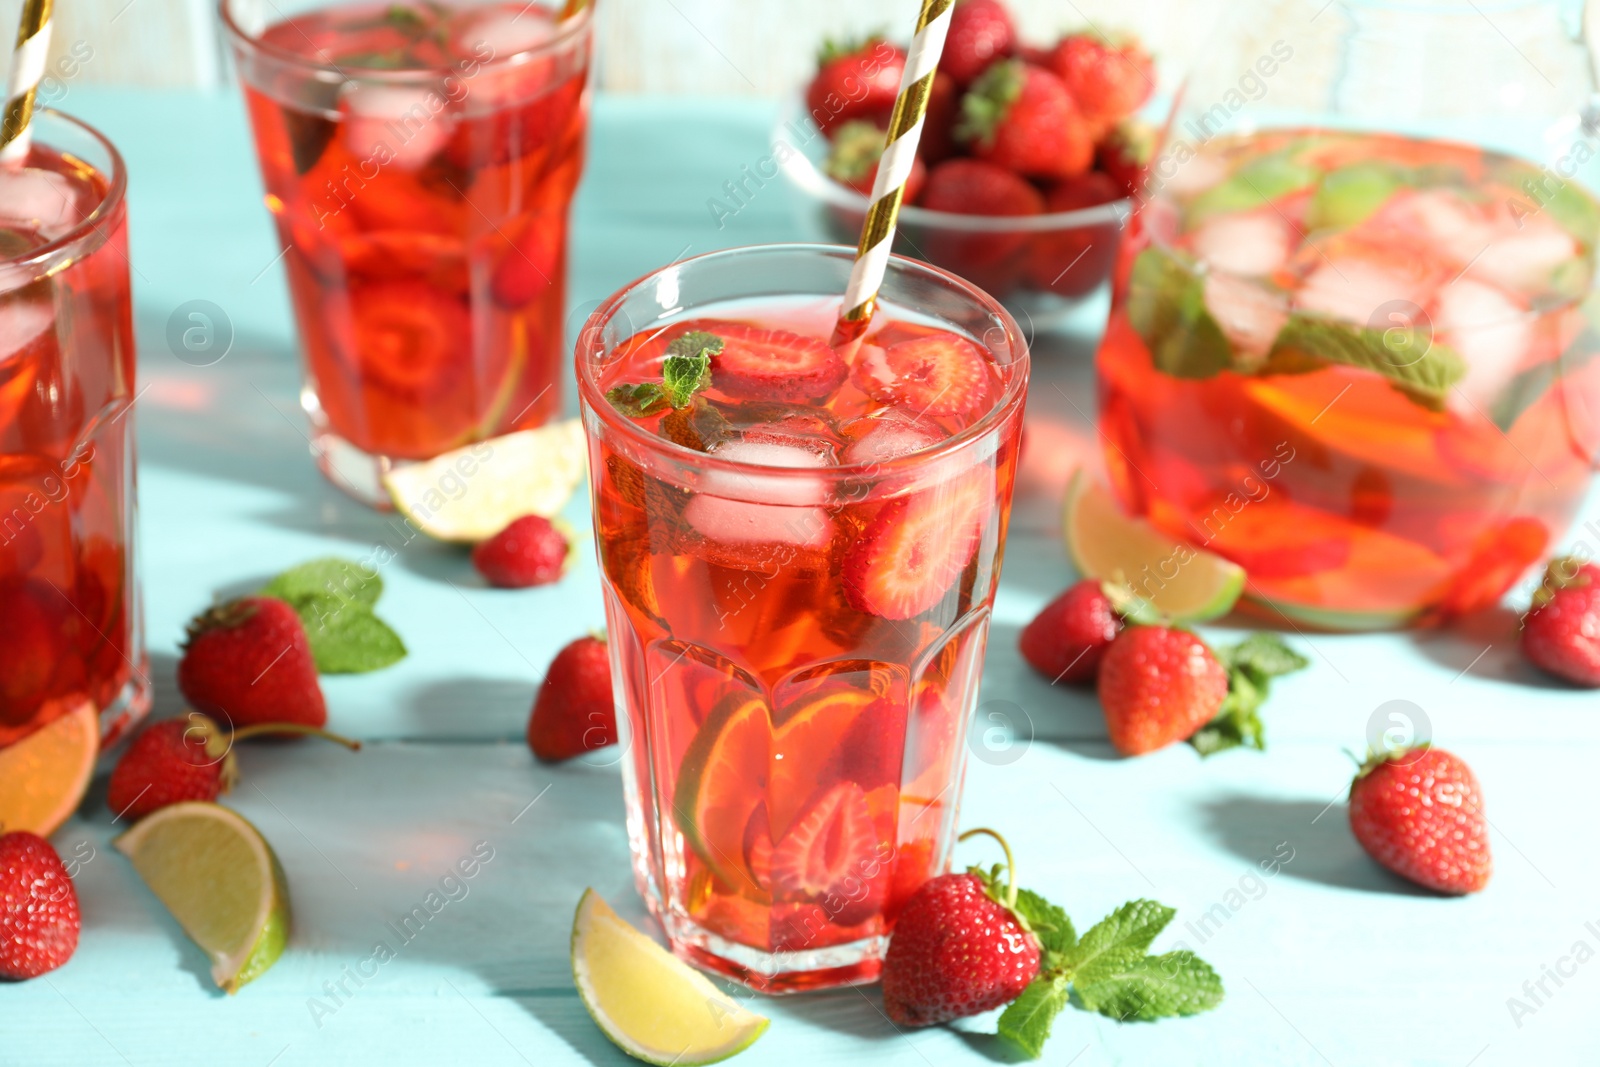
{"x": 38, "y": 907}
{"x": 1023, "y": 118}
{"x": 529, "y": 551}
{"x": 532, "y": 262}
{"x": 831, "y": 857}
{"x": 573, "y": 712}
{"x": 1419, "y": 812}
{"x": 1072, "y": 260}
{"x": 973, "y": 187}
{"x": 938, "y": 141}
{"x": 956, "y": 950}
{"x": 937, "y": 374}
{"x": 1066, "y": 641}
{"x": 855, "y": 81}
{"x": 1110, "y": 79}
{"x": 185, "y": 759}
{"x": 1125, "y": 154}
{"x": 1158, "y": 685}
{"x": 39, "y": 631}
{"x": 980, "y": 31}
{"x": 914, "y": 550}
{"x": 1561, "y": 632}
{"x": 408, "y": 337}
{"x": 853, "y": 160}
{"x": 248, "y": 661}
{"x": 763, "y": 364}
{"x": 1089, "y": 189}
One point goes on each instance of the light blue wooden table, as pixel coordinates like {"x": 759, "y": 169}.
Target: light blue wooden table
{"x": 1331, "y": 961}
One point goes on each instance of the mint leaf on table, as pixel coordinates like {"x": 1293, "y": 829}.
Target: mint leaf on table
{"x": 1048, "y": 922}
{"x": 1167, "y": 308}
{"x": 1026, "y": 1021}
{"x": 1408, "y": 357}
{"x": 1251, "y": 666}
{"x": 1152, "y": 987}
{"x": 1126, "y": 932}
{"x": 334, "y": 599}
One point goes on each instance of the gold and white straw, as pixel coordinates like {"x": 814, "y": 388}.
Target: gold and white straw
{"x": 905, "y": 129}
{"x": 27, "y": 67}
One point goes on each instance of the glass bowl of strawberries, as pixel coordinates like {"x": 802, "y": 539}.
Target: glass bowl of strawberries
{"x": 1027, "y": 161}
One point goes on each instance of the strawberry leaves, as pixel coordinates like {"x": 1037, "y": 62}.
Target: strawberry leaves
{"x": 335, "y": 599}
{"x": 1251, "y": 665}
{"x": 1108, "y": 970}
{"x": 684, "y": 373}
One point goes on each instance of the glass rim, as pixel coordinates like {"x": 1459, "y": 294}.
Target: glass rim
{"x": 89, "y": 227}
{"x": 594, "y": 399}
{"x": 567, "y": 29}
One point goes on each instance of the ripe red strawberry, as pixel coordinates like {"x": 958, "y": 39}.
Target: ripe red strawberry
{"x": 185, "y": 759}
{"x": 1125, "y": 153}
{"x": 913, "y": 551}
{"x": 1419, "y": 812}
{"x": 248, "y": 661}
{"x": 772, "y": 364}
{"x": 855, "y": 81}
{"x": 980, "y": 31}
{"x": 1158, "y": 685}
{"x": 1561, "y": 632}
{"x": 938, "y": 141}
{"x": 937, "y": 374}
{"x": 529, "y": 551}
{"x": 1072, "y": 260}
{"x": 853, "y": 160}
{"x": 1066, "y": 641}
{"x": 1085, "y": 190}
{"x": 1110, "y": 79}
{"x": 38, "y": 907}
{"x": 956, "y": 951}
{"x": 573, "y": 712}
{"x": 973, "y": 187}
{"x": 1023, "y": 118}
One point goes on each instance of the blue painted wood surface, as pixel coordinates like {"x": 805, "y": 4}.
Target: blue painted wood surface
{"x": 1329, "y": 961}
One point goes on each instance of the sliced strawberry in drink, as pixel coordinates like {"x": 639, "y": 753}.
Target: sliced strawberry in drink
{"x": 914, "y": 550}
{"x": 409, "y": 336}
{"x": 873, "y": 751}
{"x": 940, "y": 374}
{"x": 39, "y": 656}
{"x": 397, "y": 255}
{"x": 831, "y": 856}
{"x": 532, "y": 263}
{"x": 773, "y": 364}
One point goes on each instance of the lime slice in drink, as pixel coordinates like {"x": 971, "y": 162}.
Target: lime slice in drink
{"x": 219, "y": 878}
{"x": 1185, "y": 583}
{"x": 472, "y": 493}
{"x": 653, "y": 1005}
{"x": 721, "y": 781}
{"x": 44, "y": 776}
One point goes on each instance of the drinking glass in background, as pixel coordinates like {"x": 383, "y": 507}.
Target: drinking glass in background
{"x": 799, "y": 567}
{"x": 1353, "y": 343}
{"x": 419, "y": 161}
{"x": 70, "y": 616}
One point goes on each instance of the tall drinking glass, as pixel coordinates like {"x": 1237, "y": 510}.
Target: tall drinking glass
{"x": 70, "y": 615}
{"x": 419, "y": 161}
{"x": 799, "y": 568}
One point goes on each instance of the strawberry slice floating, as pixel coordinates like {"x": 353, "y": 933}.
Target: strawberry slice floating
{"x": 832, "y": 854}
{"x": 914, "y": 550}
{"x": 409, "y": 336}
{"x": 940, "y": 374}
{"x": 772, "y": 364}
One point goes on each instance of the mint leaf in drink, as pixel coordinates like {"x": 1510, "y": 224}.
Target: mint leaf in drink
{"x": 334, "y": 599}
{"x": 1258, "y": 182}
{"x": 1407, "y": 356}
{"x": 1251, "y": 664}
{"x": 1167, "y": 308}
{"x": 687, "y": 369}
{"x": 1126, "y": 932}
{"x": 1350, "y": 195}
{"x": 638, "y": 399}
{"x": 1048, "y": 923}
{"x": 1151, "y": 987}
{"x": 1026, "y": 1020}
{"x": 330, "y": 577}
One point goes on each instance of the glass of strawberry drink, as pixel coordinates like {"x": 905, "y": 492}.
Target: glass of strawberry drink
{"x": 1355, "y": 358}
{"x": 800, "y": 549}
{"x": 419, "y": 162}
{"x": 70, "y": 625}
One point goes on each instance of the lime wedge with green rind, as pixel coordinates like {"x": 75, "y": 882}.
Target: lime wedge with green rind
{"x": 721, "y": 780}
{"x": 472, "y": 493}
{"x": 220, "y": 879}
{"x": 1184, "y": 583}
{"x": 651, "y": 1004}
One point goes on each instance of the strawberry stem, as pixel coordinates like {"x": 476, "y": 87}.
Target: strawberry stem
{"x": 1011, "y": 865}
{"x": 268, "y": 729}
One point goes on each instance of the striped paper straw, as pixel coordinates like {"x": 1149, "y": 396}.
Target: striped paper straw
{"x": 27, "y": 67}
{"x": 905, "y": 130}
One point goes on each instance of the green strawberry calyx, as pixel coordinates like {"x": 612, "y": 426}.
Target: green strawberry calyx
{"x": 1251, "y": 666}
{"x": 1377, "y": 757}
{"x": 989, "y": 100}
{"x": 1567, "y": 572}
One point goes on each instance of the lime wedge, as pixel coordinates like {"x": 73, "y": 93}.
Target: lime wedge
{"x": 219, "y": 878}
{"x": 1185, "y": 583}
{"x": 472, "y": 493}
{"x": 652, "y": 1004}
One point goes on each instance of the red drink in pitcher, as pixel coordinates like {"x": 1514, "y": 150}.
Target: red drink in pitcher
{"x": 69, "y": 606}
{"x": 419, "y": 161}
{"x": 1360, "y": 365}
{"x": 799, "y": 561}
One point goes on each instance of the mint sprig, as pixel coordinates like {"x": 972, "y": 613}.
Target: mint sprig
{"x": 1408, "y": 357}
{"x": 684, "y": 373}
{"x": 1167, "y": 308}
{"x": 1251, "y": 665}
{"x": 335, "y": 599}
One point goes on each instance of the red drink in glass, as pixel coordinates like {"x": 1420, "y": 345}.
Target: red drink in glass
{"x": 419, "y": 161}
{"x": 799, "y": 566}
{"x": 70, "y": 625}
